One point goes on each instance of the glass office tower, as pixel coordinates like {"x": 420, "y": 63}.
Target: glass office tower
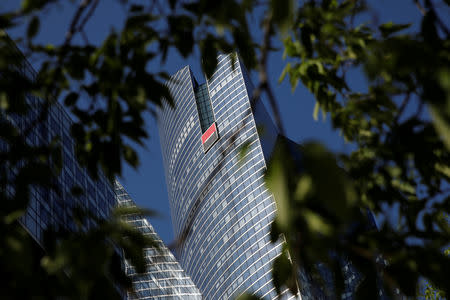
{"x": 220, "y": 208}
{"x": 164, "y": 278}
{"x": 47, "y": 207}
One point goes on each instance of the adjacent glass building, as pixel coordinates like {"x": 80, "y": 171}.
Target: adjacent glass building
{"x": 164, "y": 278}
{"x": 220, "y": 208}
{"x": 47, "y": 207}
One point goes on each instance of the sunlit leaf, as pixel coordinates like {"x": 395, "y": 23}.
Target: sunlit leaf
{"x": 247, "y": 296}
{"x": 304, "y": 187}
{"x": 33, "y": 27}
{"x": 441, "y": 125}
{"x": 276, "y": 182}
{"x": 390, "y": 28}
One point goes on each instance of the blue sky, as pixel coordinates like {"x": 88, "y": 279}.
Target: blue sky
{"x": 146, "y": 185}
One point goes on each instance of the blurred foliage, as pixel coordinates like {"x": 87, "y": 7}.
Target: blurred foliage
{"x": 429, "y": 291}
{"x": 108, "y": 87}
{"x": 80, "y": 264}
{"x": 432, "y": 293}
{"x": 399, "y": 126}
{"x": 399, "y": 168}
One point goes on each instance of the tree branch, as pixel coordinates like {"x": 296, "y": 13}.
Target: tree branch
{"x": 88, "y": 16}
{"x": 420, "y": 7}
{"x": 263, "y": 77}
{"x": 441, "y": 24}
{"x": 84, "y": 36}
{"x": 73, "y": 25}
{"x": 402, "y": 108}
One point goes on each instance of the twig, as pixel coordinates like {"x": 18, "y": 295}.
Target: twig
{"x": 87, "y": 16}
{"x": 420, "y": 7}
{"x": 419, "y": 108}
{"x": 263, "y": 78}
{"x": 73, "y": 25}
{"x": 84, "y": 36}
{"x": 402, "y": 108}
{"x": 432, "y": 10}
{"x": 438, "y": 20}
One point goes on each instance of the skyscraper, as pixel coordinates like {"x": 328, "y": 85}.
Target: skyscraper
{"x": 164, "y": 278}
{"x": 220, "y": 208}
{"x": 38, "y": 126}
{"x": 47, "y": 207}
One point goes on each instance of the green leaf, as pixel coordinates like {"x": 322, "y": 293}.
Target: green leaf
{"x": 284, "y": 273}
{"x": 334, "y": 190}
{"x": 209, "y": 56}
{"x": 443, "y": 169}
{"x": 285, "y": 71}
{"x": 390, "y": 28}
{"x": 316, "y": 111}
{"x": 4, "y": 103}
{"x": 283, "y": 13}
{"x": 33, "y": 27}
{"x": 30, "y": 5}
{"x": 6, "y": 21}
{"x": 281, "y": 271}
{"x": 304, "y": 188}
{"x": 247, "y": 296}
{"x": 172, "y": 3}
{"x": 243, "y": 151}
{"x": 181, "y": 28}
{"x": 71, "y": 99}
{"x": 123, "y": 211}
{"x": 428, "y": 28}
{"x": 276, "y": 182}
{"x": 54, "y": 265}
{"x": 136, "y": 8}
{"x": 130, "y": 155}
{"x": 13, "y": 216}
{"x": 317, "y": 223}
{"x": 441, "y": 125}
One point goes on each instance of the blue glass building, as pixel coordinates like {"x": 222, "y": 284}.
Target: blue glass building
{"x": 47, "y": 207}
{"x": 164, "y": 278}
{"x": 220, "y": 208}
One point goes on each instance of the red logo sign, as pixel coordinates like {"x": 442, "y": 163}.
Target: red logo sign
{"x": 209, "y": 137}
{"x": 209, "y": 132}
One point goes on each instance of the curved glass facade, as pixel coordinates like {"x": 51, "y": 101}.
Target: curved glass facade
{"x": 220, "y": 206}
{"x": 164, "y": 278}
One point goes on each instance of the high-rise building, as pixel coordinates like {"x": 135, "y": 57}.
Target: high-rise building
{"x": 221, "y": 210}
{"x": 39, "y": 126}
{"x": 49, "y": 207}
{"x": 164, "y": 278}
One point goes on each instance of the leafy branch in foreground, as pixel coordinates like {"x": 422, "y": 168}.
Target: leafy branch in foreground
{"x": 429, "y": 291}
{"x": 80, "y": 264}
{"x": 108, "y": 87}
{"x": 400, "y": 166}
